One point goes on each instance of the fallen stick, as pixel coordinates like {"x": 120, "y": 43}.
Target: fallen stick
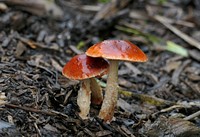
{"x": 192, "y": 116}
{"x": 179, "y": 33}
{"x": 46, "y": 112}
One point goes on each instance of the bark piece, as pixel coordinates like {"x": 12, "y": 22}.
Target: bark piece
{"x": 172, "y": 127}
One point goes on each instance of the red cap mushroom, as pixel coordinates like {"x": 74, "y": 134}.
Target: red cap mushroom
{"x": 84, "y": 68}
{"x": 114, "y": 51}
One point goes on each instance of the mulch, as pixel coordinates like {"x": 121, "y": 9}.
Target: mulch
{"x": 157, "y": 98}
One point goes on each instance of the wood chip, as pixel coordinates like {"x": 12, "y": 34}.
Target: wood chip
{"x": 125, "y": 106}
{"x": 128, "y": 133}
{"x": 2, "y": 98}
{"x": 134, "y": 69}
{"x": 170, "y": 66}
{"x": 103, "y": 133}
{"x": 194, "y": 77}
{"x": 51, "y": 128}
{"x": 195, "y": 54}
{"x": 177, "y": 72}
{"x": 152, "y": 77}
{"x": 91, "y": 7}
{"x": 172, "y": 127}
{"x": 20, "y": 49}
{"x": 10, "y": 119}
{"x": 56, "y": 65}
{"x": 4, "y": 124}
{"x": 6, "y": 42}
{"x": 86, "y": 130}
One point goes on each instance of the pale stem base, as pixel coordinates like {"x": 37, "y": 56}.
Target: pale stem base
{"x": 83, "y": 99}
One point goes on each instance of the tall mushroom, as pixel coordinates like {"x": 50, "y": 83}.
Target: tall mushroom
{"x": 84, "y": 68}
{"x": 114, "y": 51}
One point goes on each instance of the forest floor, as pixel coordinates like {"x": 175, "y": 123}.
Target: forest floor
{"x": 158, "y": 98}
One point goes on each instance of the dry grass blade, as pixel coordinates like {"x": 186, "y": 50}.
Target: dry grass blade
{"x": 182, "y": 35}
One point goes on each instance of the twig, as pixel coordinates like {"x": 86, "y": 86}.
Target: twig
{"x": 46, "y": 112}
{"x": 30, "y": 109}
{"x": 177, "y": 72}
{"x": 177, "y": 106}
{"x": 66, "y": 97}
{"x": 180, "y": 105}
{"x": 192, "y": 116}
{"x": 141, "y": 15}
{"x": 37, "y": 129}
{"x": 179, "y": 33}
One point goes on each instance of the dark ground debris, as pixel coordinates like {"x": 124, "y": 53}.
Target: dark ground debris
{"x": 158, "y": 98}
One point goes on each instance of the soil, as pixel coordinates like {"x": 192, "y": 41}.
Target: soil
{"x": 158, "y": 98}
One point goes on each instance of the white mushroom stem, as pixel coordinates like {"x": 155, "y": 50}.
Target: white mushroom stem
{"x": 97, "y": 95}
{"x": 111, "y": 93}
{"x": 83, "y": 99}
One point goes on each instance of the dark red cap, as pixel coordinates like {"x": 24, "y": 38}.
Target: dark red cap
{"x": 83, "y": 67}
{"x": 117, "y": 50}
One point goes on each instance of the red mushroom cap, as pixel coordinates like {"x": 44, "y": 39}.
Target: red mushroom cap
{"x": 83, "y": 67}
{"x": 117, "y": 50}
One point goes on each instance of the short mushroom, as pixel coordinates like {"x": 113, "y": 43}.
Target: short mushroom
{"x": 114, "y": 51}
{"x": 84, "y": 68}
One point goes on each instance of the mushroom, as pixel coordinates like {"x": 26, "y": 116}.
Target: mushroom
{"x": 84, "y": 68}
{"x": 114, "y": 51}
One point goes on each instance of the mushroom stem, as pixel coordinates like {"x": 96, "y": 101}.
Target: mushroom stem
{"x": 97, "y": 96}
{"x": 83, "y": 99}
{"x": 111, "y": 93}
